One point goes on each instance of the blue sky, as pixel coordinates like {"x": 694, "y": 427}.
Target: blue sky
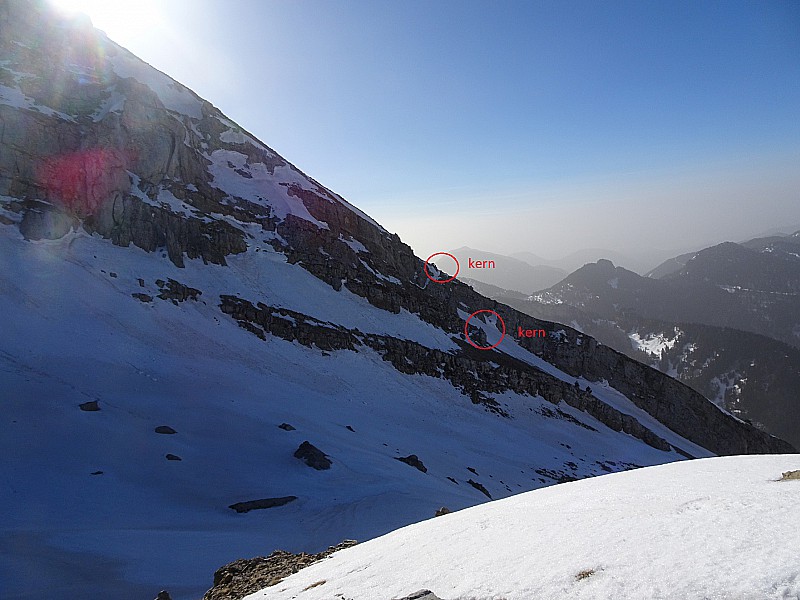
{"x": 541, "y": 126}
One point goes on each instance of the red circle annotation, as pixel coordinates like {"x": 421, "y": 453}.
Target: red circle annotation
{"x": 428, "y": 275}
{"x": 466, "y": 329}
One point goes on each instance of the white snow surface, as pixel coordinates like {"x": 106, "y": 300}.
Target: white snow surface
{"x": 653, "y": 343}
{"x": 234, "y": 135}
{"x": 262, "y": 187}
{"x": 13, "y": 97}
{"x": 354, "y": 244}
{"x": 718, "y": 528}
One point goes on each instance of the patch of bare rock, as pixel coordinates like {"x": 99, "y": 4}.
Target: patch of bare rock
{"x": 243, "y": 507}
{"x": 480, "y": 487}
{"x": 245, "y": 576}
{"x": 413, "y": 461}
{"x": 313, "y": 456}
{"x": 421, "y": 595}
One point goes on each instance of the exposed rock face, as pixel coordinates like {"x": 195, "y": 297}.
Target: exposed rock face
{"x": 43, "y": 221}
{"x": 411, "y": 357}
{"x": 128, "y": 220}
{"x": 313, "y": 456}
{"x": 286, "y": 427}
{"x": 90, "y": 406}
{"x": 243, "y": 507}
{"x": 421, "y": 595}
{"x": 172, "y": 457}
{"x": 99, "y": 161}
{"x": 176, "y": 291}
{"x": 480, "y": 487}
{"x": 245, "y": 576}
{"x": 165, "y": 429}
{"x": 414, "y": 461}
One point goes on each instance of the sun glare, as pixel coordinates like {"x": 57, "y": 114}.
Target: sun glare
{"x": 121, "y": 20}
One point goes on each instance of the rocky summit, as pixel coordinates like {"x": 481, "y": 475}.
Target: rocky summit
{"x": 172, "y": 287}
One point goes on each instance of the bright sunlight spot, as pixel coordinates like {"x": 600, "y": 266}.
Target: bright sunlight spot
{"x": 122, "y": 20}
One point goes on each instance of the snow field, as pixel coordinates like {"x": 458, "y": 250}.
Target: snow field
{"x": 73, "y": 333}
{"x": 718, "y": 528}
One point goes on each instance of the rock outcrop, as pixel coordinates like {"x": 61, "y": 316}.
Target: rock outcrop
{"x": 313, "y": 456}
{"x": 243, "y": 507}
{"x": 421, "y": 595}
{"x": 480, "y": 487}
{"x": 413, "y": 358}
{"x": 413, "y": 461}
{"x": 245, "y": 576}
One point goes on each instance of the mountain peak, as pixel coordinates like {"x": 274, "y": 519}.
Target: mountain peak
{"x": 148, "y": 143}
{"x": 604, "y": 263}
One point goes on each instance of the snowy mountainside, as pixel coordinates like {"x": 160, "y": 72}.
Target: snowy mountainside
{"x": 183, "y": 309}
{"x": 95, "y": 485}
{"x": 712, "y": 528}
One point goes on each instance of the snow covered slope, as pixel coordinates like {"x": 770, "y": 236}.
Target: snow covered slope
{"x": 95, "y": 486}
{"x": 719, "y": 528}
{"x": 183, "y": 309}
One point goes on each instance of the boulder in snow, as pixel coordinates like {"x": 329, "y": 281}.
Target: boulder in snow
{"x": 413, "y": 461}
{"x": 313, "y": 456}
{"x": 243, "y": 507}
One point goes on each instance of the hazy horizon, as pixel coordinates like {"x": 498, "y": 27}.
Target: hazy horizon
{"x": 523, "y": 126}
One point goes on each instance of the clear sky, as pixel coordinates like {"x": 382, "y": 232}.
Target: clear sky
{"x": 508, "y": 126}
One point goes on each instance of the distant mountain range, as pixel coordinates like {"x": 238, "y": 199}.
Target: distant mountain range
{"x": 725, "y": 320}
{"x": 640, "y": 261}
{"x": 754, "y": 287}
{"x": 527, "y": 272}
{"x": 507, "y": 272}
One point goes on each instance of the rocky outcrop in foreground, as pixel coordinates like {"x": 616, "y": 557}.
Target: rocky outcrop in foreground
{"x": 245, "y": 576}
